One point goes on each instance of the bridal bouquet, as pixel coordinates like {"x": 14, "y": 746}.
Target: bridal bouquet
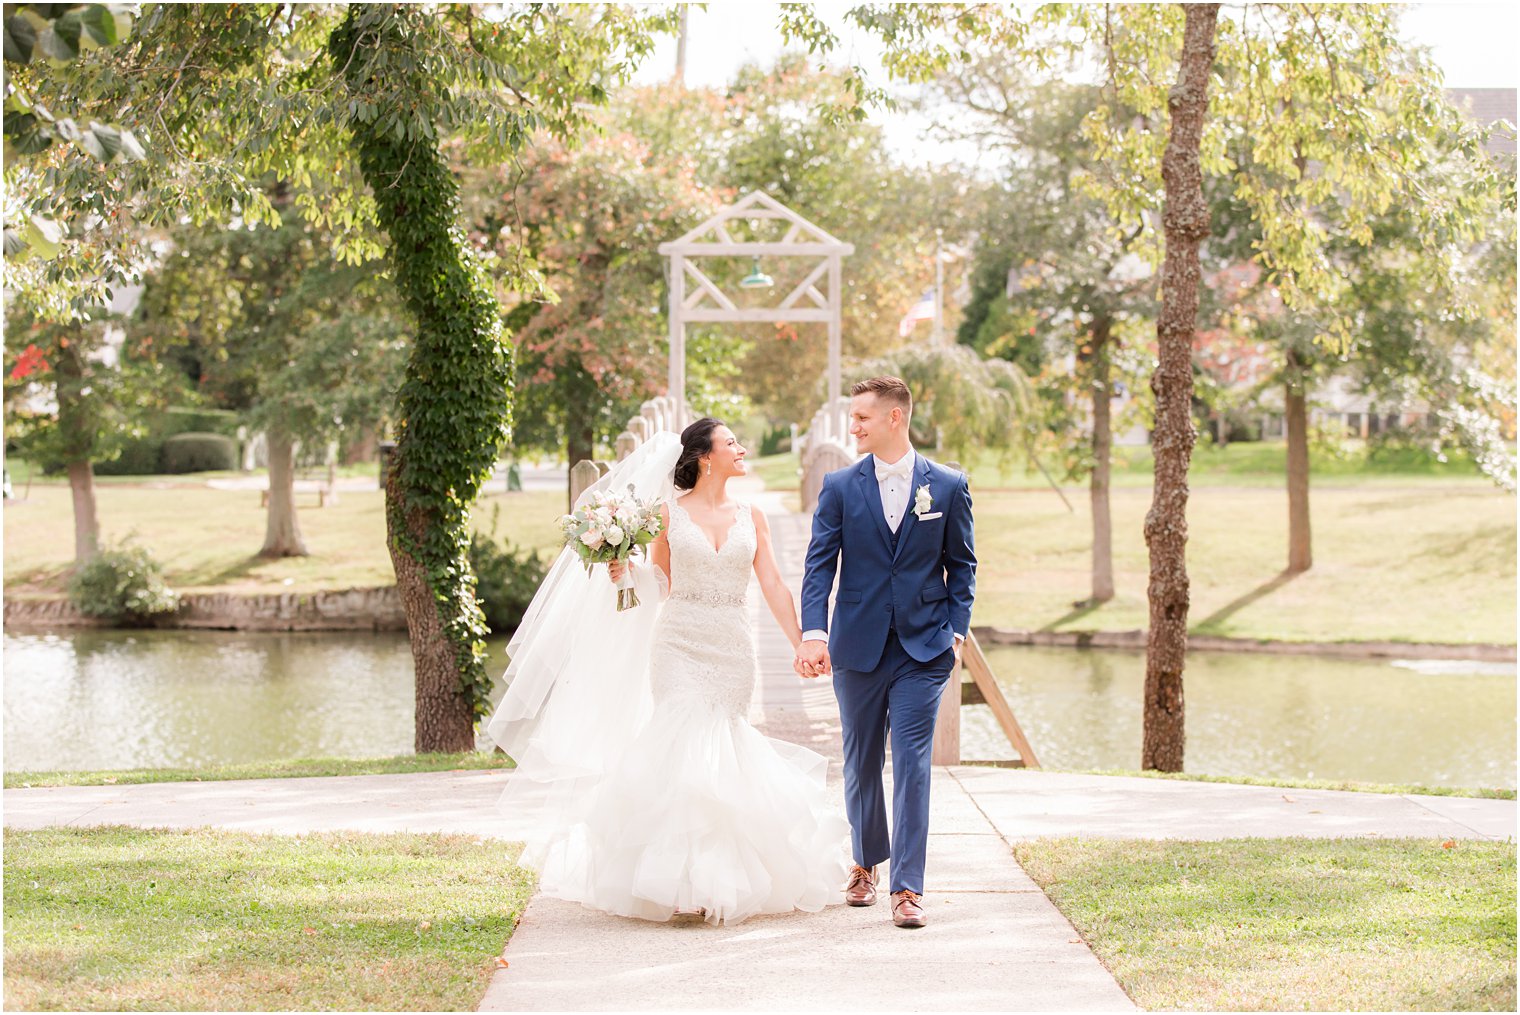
{"x": 609, "y": 527}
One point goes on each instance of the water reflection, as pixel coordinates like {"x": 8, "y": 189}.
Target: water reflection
{"x": 116, "y": 699}
{"x": 148, "y": 699}
{"x": 1438, "y": 723}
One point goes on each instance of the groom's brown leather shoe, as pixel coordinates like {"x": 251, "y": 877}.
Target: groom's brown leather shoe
{"x": 907, "y": 909}
{"x": 861, "y": 891}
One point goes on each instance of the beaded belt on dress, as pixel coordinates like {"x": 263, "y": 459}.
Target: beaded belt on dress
{"x": 703, "y": 596}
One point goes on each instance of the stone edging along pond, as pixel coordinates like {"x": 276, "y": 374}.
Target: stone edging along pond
{"x": 1479, "y": 652}
{"x": 375, "y": 609}
{"x": 379, "y": 609}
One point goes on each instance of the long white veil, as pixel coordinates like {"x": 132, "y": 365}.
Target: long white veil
{"x": 578, "y": 681}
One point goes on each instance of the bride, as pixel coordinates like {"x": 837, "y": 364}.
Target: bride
{"x": 644, "y": 789}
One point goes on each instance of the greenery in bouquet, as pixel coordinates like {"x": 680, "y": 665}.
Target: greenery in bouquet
{"x": 608, "y": 527}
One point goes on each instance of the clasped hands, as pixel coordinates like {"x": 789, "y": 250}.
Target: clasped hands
{"x": 812, "y": 659}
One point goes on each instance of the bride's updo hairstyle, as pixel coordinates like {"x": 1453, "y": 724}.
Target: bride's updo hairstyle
{"x": 696, "y": 441}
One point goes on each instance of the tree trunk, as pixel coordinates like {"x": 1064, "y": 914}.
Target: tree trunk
{"x": 580, "y": 446}
{"x": 78, "y": 447}
{"x": 1103, "y": 441}
{"x": 454, "y": 407}
{"x": 86, "y": 522}
{"x": 364, "y": 447}
{"x": 1296, "y": 421}
{"x": 282, "y": 531}
{"x": 1185, "y": 218}
{"x": 443, "y": 718}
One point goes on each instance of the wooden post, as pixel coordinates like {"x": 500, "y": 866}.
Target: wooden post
{"x": 992, "y": 695}
{"x": 677, "y": 371}
{"x": 582, "y": 475}
{"x": 836, "y": 307}
{"x": 947, "y": 725}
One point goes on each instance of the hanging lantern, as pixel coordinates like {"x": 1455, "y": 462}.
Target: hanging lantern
{"x": 756, "y": 279}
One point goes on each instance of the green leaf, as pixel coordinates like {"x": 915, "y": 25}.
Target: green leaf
{"x": 15, "y": 246}
{"x": 101, "y": 26}
{"x": 60, "y": 42}
{"x": 20, "y": 38}
{"x": 43, "y": 237}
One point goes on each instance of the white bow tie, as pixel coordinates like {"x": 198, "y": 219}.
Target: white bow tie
{"x": 902, "y": 468}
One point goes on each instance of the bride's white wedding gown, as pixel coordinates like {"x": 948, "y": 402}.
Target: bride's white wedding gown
{"x": 703, "y": 812}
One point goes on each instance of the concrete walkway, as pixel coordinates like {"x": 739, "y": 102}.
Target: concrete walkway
{"x": 994, "y": 943}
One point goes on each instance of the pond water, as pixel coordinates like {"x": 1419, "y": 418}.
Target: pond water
{"x": 1438, "y": 723}
{"x": 145, "y": 699}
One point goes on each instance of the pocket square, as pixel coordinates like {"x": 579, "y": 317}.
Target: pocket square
{"x": 931, "y": 516}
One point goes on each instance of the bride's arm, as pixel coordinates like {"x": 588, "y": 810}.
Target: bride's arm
{"x": 659, "y": 550}
{"x": 777, "y": 596}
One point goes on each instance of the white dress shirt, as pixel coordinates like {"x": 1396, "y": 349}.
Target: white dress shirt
{"x": 895, "y": 480}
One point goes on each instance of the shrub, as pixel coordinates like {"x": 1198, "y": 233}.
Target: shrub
{"x": 199, "y": 452}
{"x": 142, "y": 455}
{"x": 122, "y": 583}
{"x": 505, "y": 579}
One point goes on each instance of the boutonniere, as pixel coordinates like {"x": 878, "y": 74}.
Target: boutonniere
{"x": 922, "y": 502}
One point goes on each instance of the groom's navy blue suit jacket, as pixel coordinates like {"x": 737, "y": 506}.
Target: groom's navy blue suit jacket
{"x": 923, "y": 589}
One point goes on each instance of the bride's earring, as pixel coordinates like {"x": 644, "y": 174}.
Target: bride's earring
{"x": 709, "y": 466}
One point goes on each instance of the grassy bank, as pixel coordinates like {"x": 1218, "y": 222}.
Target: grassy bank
{"x": 219, "y": 551}
{"x": 123, "y": 918}
{"x": 1434, "y": 565}
{"x": 293, "y": 769}
{"x": 1404, "y": 550}
{"x": 1292, "y": 924}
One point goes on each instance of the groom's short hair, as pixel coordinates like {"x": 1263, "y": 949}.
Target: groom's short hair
{"x": 891, "y": 390}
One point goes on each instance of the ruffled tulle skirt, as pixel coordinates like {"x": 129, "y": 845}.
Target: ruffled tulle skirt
{"x": 704, "y": 812}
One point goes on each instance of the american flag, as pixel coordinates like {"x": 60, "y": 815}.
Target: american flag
{"x": 923, "y": 310}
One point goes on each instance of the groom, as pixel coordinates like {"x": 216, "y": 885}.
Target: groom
{"x": 898, "y": 528}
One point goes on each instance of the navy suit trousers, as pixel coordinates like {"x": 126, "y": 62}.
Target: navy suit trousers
{"x": 899, "y": 698}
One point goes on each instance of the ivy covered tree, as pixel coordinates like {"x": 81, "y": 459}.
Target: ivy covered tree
{"x": 349, "y": 106}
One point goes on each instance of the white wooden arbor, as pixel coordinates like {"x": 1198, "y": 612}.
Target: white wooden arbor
{"x": 818, "y": 297}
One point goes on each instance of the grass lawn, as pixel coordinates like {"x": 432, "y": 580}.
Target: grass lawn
{"x": 1284, "y": 924}
{"x": 1405, "y": 550}
{"x": 1259, "y": 464}
{"x": 1435, "y": 564}
{"x": 1477, "y": 792}
{"x": 293, "y": 769}
{"x": 123, "y": 918}
{"x": 208, "y": 539}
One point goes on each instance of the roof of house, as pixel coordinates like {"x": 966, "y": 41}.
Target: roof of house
{"x": 1488, "y": 106}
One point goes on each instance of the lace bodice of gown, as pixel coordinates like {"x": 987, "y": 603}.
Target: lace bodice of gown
{"x": 704, "y": 644}
{"x": 697, "y": 571}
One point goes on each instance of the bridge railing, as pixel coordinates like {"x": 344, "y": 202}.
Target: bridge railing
{"x": 662, "y": 413}
{"x": 826, "y": 446}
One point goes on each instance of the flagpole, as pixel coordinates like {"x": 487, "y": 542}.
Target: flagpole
{"x": 939, "y": 289}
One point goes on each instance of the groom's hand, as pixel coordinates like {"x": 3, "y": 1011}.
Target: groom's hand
{"x": 814, "y": 657}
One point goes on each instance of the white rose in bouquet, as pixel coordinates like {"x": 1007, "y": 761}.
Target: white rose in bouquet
{"x": 612, "y": 527}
